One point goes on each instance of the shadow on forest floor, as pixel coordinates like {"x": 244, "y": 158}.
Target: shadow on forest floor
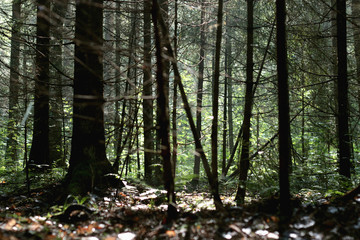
{"x": 139, "y": 213}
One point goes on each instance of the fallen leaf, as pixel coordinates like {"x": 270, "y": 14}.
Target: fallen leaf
{"x": 10, "y": 224}
{"x": 110, "y": 238}
{"x": 170, "y": 233}
{"x": 50, "y": 237}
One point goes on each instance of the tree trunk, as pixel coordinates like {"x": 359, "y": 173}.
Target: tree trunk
{"x": 162, "y": 80}
{"x": 12, "y": 131}
{"x": 226, "y": 88}
{"x": 164, "y": 6}
{"x": 199, "y": 97}
{"x": 148, "y": 115}
{"x": 355, "y": 7}
{"x": 39, "y": 153}
{"x": 342, "y": 87}
{"x": 215, "y": 96}
{"x": 175, "y": 96}
{"x": 284, "y": 109}
{"x": 245, "y": 153}
{"x": 117, "y": 79}
{"x": 88, "y": 162}
{"x": 228, "y": 68}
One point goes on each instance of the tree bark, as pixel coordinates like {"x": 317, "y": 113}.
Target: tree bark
{"x": 199, "y": 97}
{"x": 158, "y": 172}
{"x": 284, "y": 109}
{"x": 355, "y": 7}
{"x": 12, "y": 131}
{"x": 88, "y": 162}
{"x": 162, "y": 80}
{"x": 148, "y": 115}
{"x": 175, "y": 96}
{"x": 117, "y": 127}
{"x": 245, "y": 152}
{"x": 39, "y": 153}
{"x": 229, "y": 64}
{"x": 215, "y": 96}
{"x": 342, "y": 87}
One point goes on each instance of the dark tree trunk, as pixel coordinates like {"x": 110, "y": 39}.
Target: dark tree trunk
{"x": 162, "y": 80}
{"x": 119, "y": 120}
{"x": 244, "y": 159}
{"x": 175, "y": 96}
{"x": 355, "y": 6}
{"x": 39, "y": 153}
{"x": 117, "y": 80}
{"x": 148, "y": 115}
{"x": 228, "y": 68}
{"x": 164, "y": 6}
{"x": 228, "y": 93}
{"x": 12, "y": 131}
{"x": 342, "y": 87}
{"x": 224, "y": 121}
{"x": 199, "y": 97}
{"x": 88, "y": 162}
{"x": 215, "y": 96}
{"x": 284, "y": 109}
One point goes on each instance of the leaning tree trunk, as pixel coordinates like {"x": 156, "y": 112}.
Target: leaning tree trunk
{"x": 39, "y": 153}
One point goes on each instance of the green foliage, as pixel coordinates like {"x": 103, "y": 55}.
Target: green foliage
{"x": 333, "y": 193}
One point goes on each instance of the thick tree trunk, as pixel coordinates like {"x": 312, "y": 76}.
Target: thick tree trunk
{"x": 39, "y": 153}
{"x": 284, "y": 109}
{"x": 355, "y": 7}
{"x": 342, "y": 87}
{"x": 164, "y": 6}
{"x": 88, "y": 162}
{"x": 12, "y": 131}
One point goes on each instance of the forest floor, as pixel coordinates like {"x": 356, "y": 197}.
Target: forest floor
{"x": 137, "y": 212}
